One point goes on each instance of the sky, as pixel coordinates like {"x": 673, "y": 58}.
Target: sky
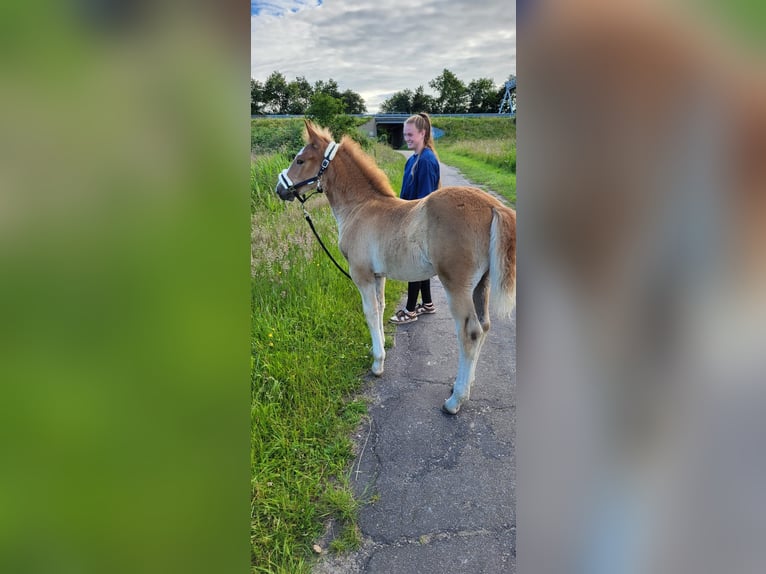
{"x": 379, "y": 47}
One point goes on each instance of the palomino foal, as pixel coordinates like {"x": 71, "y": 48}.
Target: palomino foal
{"x": 462, "y": 234}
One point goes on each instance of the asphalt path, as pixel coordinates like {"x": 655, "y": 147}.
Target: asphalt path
{"x": 440, "y": 488}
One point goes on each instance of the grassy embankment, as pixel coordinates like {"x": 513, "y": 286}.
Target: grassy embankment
{"x": 483, "y": 149}
{"x": 310, "y": 347}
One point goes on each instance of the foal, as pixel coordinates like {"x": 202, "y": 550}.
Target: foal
{"x": 462, "y": 234}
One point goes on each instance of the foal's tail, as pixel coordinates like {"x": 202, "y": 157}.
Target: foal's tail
{"x": 502, "y": 260}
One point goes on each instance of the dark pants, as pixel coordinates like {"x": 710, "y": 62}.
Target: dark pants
{"x": 415, "y": 287}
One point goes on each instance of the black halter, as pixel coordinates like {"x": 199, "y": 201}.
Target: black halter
{"x": 284, "y": 179}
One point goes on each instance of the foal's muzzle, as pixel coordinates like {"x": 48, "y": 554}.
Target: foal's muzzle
{"x": 285, "y": 189}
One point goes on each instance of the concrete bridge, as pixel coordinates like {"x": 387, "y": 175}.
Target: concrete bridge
{"x": 391, "y": 126}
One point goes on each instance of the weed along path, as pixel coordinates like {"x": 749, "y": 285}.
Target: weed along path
{"x": 439, "y": 490}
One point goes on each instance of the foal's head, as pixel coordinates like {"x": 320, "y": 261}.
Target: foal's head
{"x": 302, "y": 175}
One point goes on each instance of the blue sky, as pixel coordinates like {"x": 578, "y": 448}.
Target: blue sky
{"x": 378, "y": 47}
{"x": 277, "y": 8}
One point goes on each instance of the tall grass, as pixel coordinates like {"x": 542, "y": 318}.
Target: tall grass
{"x": 276, "y": 135}
{"x": 497, "y": 152}
{"x": 484, "y": 149}
{"x": 478, "y": 171}
{"x": 462, "y": 129}
{"x": 263, "y": 171}
{"x": 310, "y": 348}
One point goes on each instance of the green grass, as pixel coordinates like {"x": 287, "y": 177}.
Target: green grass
{"x": 480, "y": 172}
{"x": 310, "y": 348}
{"x": 463, "y": 129}
{"x": 483, "y": 149}
{"x": 497, "y": 152}
{"x": 262, "y": 195}
{"x": 276, "y": 135}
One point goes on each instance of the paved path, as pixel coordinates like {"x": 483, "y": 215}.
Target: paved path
{"x": 443, "y": 487}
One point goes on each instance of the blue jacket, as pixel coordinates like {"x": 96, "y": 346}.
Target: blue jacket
{"x": 426, "y": 177}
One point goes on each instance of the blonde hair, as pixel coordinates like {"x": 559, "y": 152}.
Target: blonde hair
{"x": 422, "y": 123}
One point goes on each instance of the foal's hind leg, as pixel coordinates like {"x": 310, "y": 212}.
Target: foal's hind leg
{"x": 481, "y": 302}
{"x": 481, "y": 306}
{"x": 471, "y": 324}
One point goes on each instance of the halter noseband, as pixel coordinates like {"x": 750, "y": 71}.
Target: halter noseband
{"x": 284, "y": 179}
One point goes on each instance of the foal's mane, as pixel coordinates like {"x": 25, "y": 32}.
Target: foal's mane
{"x": 376, "y": 176}
{"x": 373, "y": 175}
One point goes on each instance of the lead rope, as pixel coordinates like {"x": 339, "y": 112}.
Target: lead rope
{"x": 313, "y": 229}
{"x": 329, "y": 154}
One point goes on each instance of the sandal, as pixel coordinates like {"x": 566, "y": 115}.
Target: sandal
{"x": 426, "y": 309}
{"x": 403, "y": 316}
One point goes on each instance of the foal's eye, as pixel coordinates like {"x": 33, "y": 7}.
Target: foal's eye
{"x": 299, "y": 161}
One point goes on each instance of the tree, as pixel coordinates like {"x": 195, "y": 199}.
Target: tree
{"x": 353, "y": 102}
{"x": 327, "y": 111}
{"x": 324, "y": 108}
{"x": 400, "y": 102}
{"x": 330, "y": 87}
{"x": 256, "y": 97}
{"x": 452, "y": 94}
{"x": 422, "y": 102}
{"x": 299, "y": 94}
{"x": 482, "y": 96}
{"x": 275, "y": 95}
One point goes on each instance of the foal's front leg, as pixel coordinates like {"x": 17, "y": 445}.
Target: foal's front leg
{"x": 380, "y": 294}
{"x": 372, "y": 291}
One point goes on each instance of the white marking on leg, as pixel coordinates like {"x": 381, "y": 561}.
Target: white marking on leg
{"x": 468, "y": 351}
{"x": 380, "y": 296}
{"x": 374, "y": 320}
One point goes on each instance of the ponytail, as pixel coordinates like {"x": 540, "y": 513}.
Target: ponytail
{"x": 422, "y": 122}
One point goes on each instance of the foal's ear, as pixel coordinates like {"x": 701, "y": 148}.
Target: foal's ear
{"x": 310, "y": 129}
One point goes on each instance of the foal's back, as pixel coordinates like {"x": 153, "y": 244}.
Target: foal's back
{"x": 459, "y": 223}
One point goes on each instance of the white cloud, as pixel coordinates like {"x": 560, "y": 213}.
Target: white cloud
{"x": 378, "y": 47}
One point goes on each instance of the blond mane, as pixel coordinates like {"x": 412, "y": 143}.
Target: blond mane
{"x": 376, "y": 176}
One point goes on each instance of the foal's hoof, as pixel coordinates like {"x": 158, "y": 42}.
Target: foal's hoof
{"x": 450, "y": 409}
{"x": 377, "y": 369}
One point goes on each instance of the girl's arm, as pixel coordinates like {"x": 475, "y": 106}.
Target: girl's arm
{"x": 427, "y": 177}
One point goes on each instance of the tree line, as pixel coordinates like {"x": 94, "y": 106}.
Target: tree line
{"x": 452, "y": 96}
{"x": 278, "y": 96}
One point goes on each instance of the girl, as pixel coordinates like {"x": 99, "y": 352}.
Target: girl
{"x": 421, "y": 177}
